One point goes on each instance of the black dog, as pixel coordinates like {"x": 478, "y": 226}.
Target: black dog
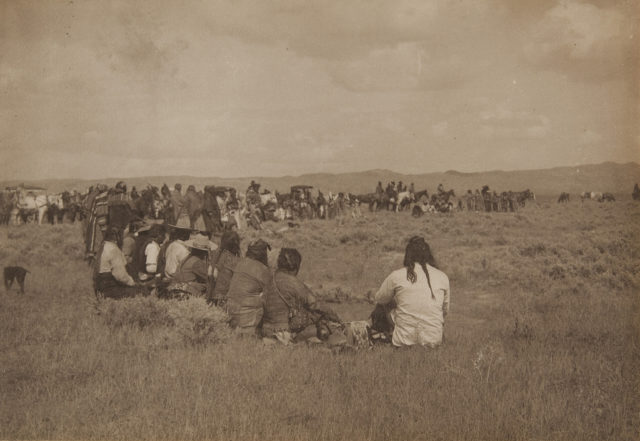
{"x": 12, "y": 273}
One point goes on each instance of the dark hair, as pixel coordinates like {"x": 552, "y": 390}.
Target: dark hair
{"x": 258, "y": 251}
{"x": 202, "y": 254}
{"x": 418, "y": 251}
{"x": 157, "y": 231}
{"x": 113, "y": 234}
{"x": 289, "y": 260}
{"x": 230, "y": 241}
{"x": 179, "y": 234}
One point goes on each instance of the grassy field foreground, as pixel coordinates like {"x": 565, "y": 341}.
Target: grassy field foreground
{"x": 542, "y": 341}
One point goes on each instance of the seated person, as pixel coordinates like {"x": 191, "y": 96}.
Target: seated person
{"x": 111, "y": 278}
{"x": 290, "y": 306}
{"x": 129, "y": 242}
{"x": 148, "y": 252}
{"x": 420, "y": 293}
{"x": 250, "y": 278}
{"x": 176, "y": 251}
{"x": 224, "y": 261}
{"x": 191, "y": 278}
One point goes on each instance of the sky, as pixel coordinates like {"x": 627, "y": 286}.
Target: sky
{"x": 94, "y": 89}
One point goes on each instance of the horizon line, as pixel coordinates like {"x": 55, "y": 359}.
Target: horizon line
{"x": 122, "y": 178}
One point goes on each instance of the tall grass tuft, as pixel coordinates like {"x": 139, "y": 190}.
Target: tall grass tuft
{"x": 191, "y": 321}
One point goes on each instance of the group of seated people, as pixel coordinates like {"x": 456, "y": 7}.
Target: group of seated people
{"x": 277, "y": 306}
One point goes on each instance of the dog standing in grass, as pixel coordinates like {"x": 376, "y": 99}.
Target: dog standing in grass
{"x": 12, "y": 273}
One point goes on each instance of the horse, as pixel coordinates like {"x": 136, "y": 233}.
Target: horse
{"x": 150, "y": 204}
{"x": 32, "y": 205}
{"x": 404, "y": 199}
{"x": 596, "y": 196}
{"x": 608, "y": 197}
{"x": 371, "y": 199}
{"x": 55, "y": 210}
{"x": 524, "y": 196}
{"x": 441, "y": 201}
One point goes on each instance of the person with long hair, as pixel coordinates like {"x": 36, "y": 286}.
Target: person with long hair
{"x": 245, "y": 301}
{"x": 420, "y": 294}
{"x": 290, "y": 306}
{"x": 224, "y": 261}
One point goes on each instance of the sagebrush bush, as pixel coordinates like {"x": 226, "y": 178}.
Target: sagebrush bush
{"x": 197, "y": 322}
{"x": 191, "y": 321}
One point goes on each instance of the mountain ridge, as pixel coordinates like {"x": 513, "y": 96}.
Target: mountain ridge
{"x": 607, "y": 176}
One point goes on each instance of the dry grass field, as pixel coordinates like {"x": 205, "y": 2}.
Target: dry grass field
{"x": 542, "y": 341}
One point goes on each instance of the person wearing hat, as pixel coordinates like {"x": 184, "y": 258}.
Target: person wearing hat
{"x": 250, "y": 278}
{"x": 193, "y": 274}
{"x": 177, "y": 250}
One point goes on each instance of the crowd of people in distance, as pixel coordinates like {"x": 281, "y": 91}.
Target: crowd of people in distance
{"x": 274, "y": 305}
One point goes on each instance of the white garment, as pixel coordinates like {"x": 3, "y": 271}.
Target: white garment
{"x": 176, "y": 253}
{"x": 113, "y": 261}
{"x": 418, "y": 316}
{"x": 151, "y": 252}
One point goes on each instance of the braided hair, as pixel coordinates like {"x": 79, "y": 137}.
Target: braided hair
{"x": 289, "y": 260}
{"x": 230, "y": 241}
{"x": 418, "y": 251}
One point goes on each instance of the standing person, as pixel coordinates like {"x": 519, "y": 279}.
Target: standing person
{"x": 420, "y": 292}
{"x": 211, "y": 210}
{"x": 110, "y": 275}
{"x": 177, "y": 202}
{"x": 224, "y": 263}
{"x": 97, "y": 220}
{"x": 119, "y": 209}
{"x": 245, "y": 296}
{"x": 290, "y": 306}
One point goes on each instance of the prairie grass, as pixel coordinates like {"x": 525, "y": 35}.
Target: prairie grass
{"x": 542, "y": 341}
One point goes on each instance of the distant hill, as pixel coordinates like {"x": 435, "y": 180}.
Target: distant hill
{"x": 608, "y": 176}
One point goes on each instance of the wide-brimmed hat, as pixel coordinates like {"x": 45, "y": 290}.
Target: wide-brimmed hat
{"x": 200, "y": 242}
{"x": 144, "y": 227}
{"x": 178, "y": 227}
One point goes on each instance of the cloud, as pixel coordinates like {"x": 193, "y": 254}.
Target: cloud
{"x": 585, "y": 41}
{"x": 503, "y": 122}
{"x": 285, "y": 87}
